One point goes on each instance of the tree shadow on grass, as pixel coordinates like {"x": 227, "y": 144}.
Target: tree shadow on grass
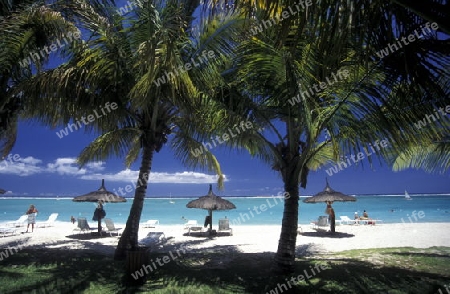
{"x": 56, "y": 270}
{"x": 252, "y": 273}
{"x": 213, "y": 269}
{"x": 421, "y": 254}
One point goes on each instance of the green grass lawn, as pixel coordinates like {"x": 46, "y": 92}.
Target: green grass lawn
{"x": 393, "y": 270}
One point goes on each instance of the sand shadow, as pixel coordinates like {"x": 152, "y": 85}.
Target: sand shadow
{"x": 89, "y": 236}
{"x": 206, "y": 234}
{"x": 326, "y": 234}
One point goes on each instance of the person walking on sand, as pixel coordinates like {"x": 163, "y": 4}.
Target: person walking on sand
{"x": 31, "y": 212}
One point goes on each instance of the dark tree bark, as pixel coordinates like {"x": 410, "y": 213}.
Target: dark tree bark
{"x": 129, "y": 238}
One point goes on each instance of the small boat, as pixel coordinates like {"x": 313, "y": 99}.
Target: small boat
{"x": 407, "y": 197}
{"x": 171, "y": 201}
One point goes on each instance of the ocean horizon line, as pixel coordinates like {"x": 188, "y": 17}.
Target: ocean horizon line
{"x": 231, "y": 197}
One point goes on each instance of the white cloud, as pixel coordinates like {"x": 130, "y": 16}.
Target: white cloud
{"x": 128, "y": 176}
{"x": 92, "y": 171}
{"x": 183, "y": 178}
{"x": 97, "y": 166}
{"x": 30, "y": 160}
{"x": 21, "y": 166}
{"x": 65, "y": 166}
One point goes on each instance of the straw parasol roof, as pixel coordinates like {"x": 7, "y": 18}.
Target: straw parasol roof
{"x": 101, "y": 195}
{"x": 211, "y": 202}
{"x": 329, "y": 195}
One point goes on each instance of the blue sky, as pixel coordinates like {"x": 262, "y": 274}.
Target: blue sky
{"x": 42, "y": 164}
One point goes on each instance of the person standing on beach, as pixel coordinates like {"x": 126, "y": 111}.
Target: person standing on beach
{"x": 31, "y": 212}
{"x": 99, "y": 213}
{"x": 331, "y": 216}
{"x": 332, "y": 220}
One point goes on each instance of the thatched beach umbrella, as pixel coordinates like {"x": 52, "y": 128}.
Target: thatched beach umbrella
{"x": 2, "y": 191}
{"x": 211, "y": 202}
{"x": 329, "y": 196}
{"x": 100, "y": 196}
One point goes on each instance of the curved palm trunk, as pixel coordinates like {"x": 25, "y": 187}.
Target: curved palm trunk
{"x": 285, "y": 256}
{"x": 129, "y": 238}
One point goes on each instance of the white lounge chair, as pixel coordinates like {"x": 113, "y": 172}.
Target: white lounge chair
{"x": 192, "y": 226}
{"x": 111, "y": 228}
{"x": 321, "y": 223}
{"x": 194, "y": 229}
{"x": 152, "y": 223}
{"x": 5, "y": 231}
{"x": 83, "y": 225}
{"x": 191, "y": 223}
{"x": 19, "y": 222}
{"x": 348, "y": 221}
{"x": 224, "y": 226}
{"x": 48, "y": 223}
{"x": 153, "y": 239}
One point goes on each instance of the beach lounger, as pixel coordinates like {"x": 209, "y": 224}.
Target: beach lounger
{"x": 19, "y": 222}
{"x": 190, "y": 223}
{"x": 83, "y": 225}
{"x": 321, "y": 223}
{"x": 224, "y": 226}
{"x": 5, "y": 231}
{"x": 152, "y": 223}
{"x": 192, "y": 226}
{"x": 345, "y": 219}
{"x": 48, "y": 223}
{"x": 194, "y": 229}
{"x": 153, "y": 239}
{"x": 111, "y": 228}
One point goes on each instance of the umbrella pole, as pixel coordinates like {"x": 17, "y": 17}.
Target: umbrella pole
{"x": 210, "y": 221}
{"x": 332, "y": 220}
{"x": 99, "y": 226}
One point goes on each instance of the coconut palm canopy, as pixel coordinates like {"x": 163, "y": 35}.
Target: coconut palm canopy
{"x": 211, "y": 202}
{"x": 329, "y": 195}
{"x": 101, "y": 195}
{"x": 2, "y": 191}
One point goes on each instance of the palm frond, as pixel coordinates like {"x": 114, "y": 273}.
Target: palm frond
{"x": 115, "y": 143}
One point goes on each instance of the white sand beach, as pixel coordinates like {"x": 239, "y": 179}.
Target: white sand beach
{"x": 247, "y": 239}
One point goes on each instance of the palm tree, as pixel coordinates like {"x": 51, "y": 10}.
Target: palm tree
{"x": 26, "y": 27}
{"x": 134, "y": 61}
{"x": 318, "y": 92}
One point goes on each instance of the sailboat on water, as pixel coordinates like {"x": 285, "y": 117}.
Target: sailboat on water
{"x": 171, "y": 201}
{"x": 407, "y": 197}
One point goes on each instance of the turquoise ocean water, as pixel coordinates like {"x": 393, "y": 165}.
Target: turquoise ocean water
{"x": 269, "y": 210}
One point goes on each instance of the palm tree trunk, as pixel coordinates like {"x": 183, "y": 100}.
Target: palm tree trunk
{"x": 285, "y": 256}
{"x": 129, "y": 238}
